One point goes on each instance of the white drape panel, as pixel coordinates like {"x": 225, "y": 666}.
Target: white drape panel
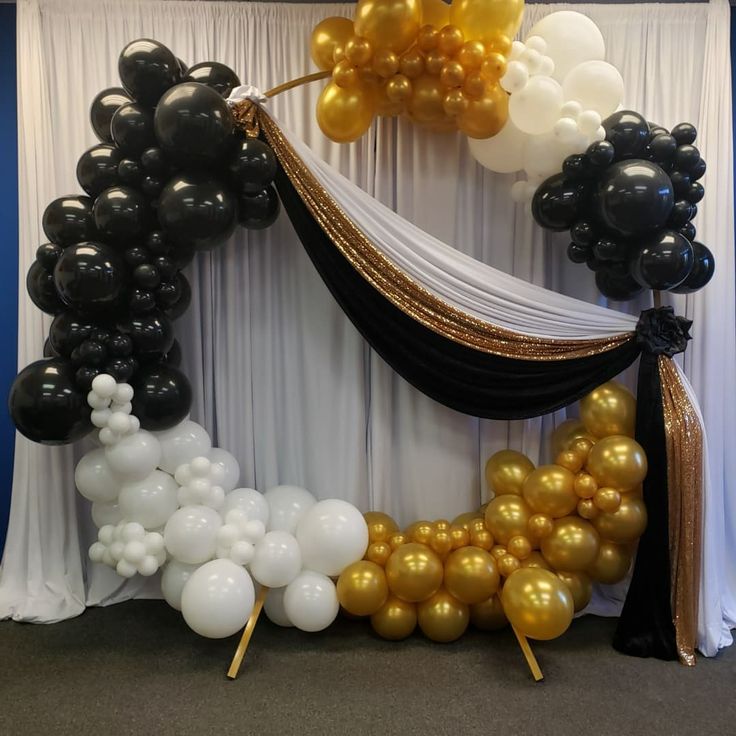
{"x": 280, "y": 376}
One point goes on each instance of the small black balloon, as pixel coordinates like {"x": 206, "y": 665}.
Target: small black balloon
{"x": 695, "y": 192}
{"x": 578, "y": 166}
{"x": 663, "y": 261}
{"x": 185, "y": 297}
{"x": 92, "y": 352}
{"x": 600, "y": 154}
{"x": 702, "y": 271}
{"x": 610, "y": 250}
{"x": 130, "y": 172}
{"x": 662, "y": 148}
{"x": 103, "y": 108}
{"x": 166, "y": 267}
{"x": 252, "y": 166}
{"x": 68, "y": 330}
{"x": 167, "y": 294}
{"x": 557, "y": 203}
{"x": 152, "y": 333}
{"x": 121, "y": 214}
{"x": 174, "y": 356}
{"x": 132, "y": 129}
{"x": 151, "y": 185}
{"x": 119, "y": 345}
{"x": 47, "y": 406}
{"x": 141, "y": 301}
{"x": 97, "y": 168}
{"x": 154, "y": 161}
{"x": 655, "y": 130}
{"x": 156, "y": 243}
{"x": 147, "y": 69}
{"x": 69, "y": 220}
{"x": 688, "y": 230}
{"x": 687, "y": 157}
{"x": 681, "y": 214}
{"x": 594, "y": 264}
{"x": 121, "y": 369}
{"x": 697, "y": 171}
{"x": 628, "y": 132}
{"x": 47, "y": 255}
{"x": 578, "y": 253}
{"x": 259, "y": 211}
{"x": 583, "y": 233}
{"x": 680, "y": 183}
{"x": 218, "y": 76}
{"x": 84, "y": 375}
{"x": 136, "y": 255}
{"x": 615, "y": 286}
{"x": 162, "y": 396}
{"x": 146, "y": 276}
{"x": 41, "y": 289}
{"x": 684, "y": 134}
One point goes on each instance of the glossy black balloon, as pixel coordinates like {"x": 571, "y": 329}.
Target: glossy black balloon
{"x": 48, "y": 351}
{"x": 702, "y": 271}
{"x": 578, "y": 253}
{"x": 628, "y": 132}
{"x": 146, "y": 276}
{"x": 697, "y": 171}
{"x": 153, "y": 161}
{"x": 193, "y": 125}
{"x": 684, "y": 134}
{"x": 185, "y": 297}
{"x": 103, "y": 108}
{"x": 121, "y": 214}
{"x": 167, "y": 294}
{"x": 688, "y": 231}
{"x": 68, "y": 330}
{"x": 252, "y": 166}
{"x": 600, "y": 154}
{"x": 41, "y": 289}
{"x": 132, "y": 129}
{"x": 616, "y": 286}
{"x": 610, "y": 250}
{"x": 196, "y": 209}
{"x": 69, "y": 220}
{"x": 119, "y": 345}
{"x": 141, "y": 301}
{"x": 97, "y": 168}
{"x": 583, "y": 233}
{"x": 90, "y": 352}
{"x": 152, "y": 333}
{"x": 682, "y": 212}
{"x": 662, "y": 148}
{"x": 163, "y": 396}
{"x": 259, "y": 211}
{"x": 136, "y": 255}
{"x": 687, "y": 157}
{"x": 680, "y": 183}
{"x": 47, "y": 406}
{"x": 174, "y": 356}
{"x": 84, "y": 376}
{"x": 130, "y": 171}
{"x": 47, "y": 255}
{"x": 558, "y": 203}
{"x": 578, "y": 166}
{"x": 121, "y": 369}
{"x": 219, "y": 77}
{"x": 695, "y": 193}
{"x": 662, "y": 262}
{"x": 147, "y": 69}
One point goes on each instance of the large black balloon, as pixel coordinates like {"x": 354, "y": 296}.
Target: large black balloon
{"x": 132, "y": 129}
{"x": 69, "y": 330}
{"x": 41, "y": 289}
{"x": 702, "y": 271}
{"x": 260, "y": 210}
{"x": 121, "y": 214}
{"x": 662, "y": 262}
{"x": 103, "y": 108}
{"x": 252, "y": 165}
{"x": 69, "y": 220}
{"x": 163, "y": 396}
{"x": 634, "y": 197}
{"x": 97, "y": 169}
{"x": 196, "y": 209}
{"x": 193, "y": 124}
{"x": 46, "y": 405}
{"x": 152, "y": 334}
{"x": 628, "y": 132}
{"x": 558, "y": 202}
{"x": 90, "y": 276}
{"x": 616, "y": 286}
{"x": 147, "y": 69}
{"x": 218, "y": 76}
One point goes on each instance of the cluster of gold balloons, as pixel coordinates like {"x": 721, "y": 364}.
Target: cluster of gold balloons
{"x": 438, "y": 64}
{"x": 530, "y": 555}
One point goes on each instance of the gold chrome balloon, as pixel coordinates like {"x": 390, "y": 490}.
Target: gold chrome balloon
{"x": 411, "y": 64}
{"x": 451, "y": 40}
{"x": 581, "y": 588}
{"x": 425, "y": 104}
{"x": 380, "y": 526}
{"x": 471, "y": 575}
{"x": 507, "y": 516}
{"x": 550, "y": 490}
{"x": 385, "y": 63}
{"x": 378, "y": 552}
{"x": 442, "y": 617}
{"x": 486, "y": 115}
{"x": 488, "y": 615}
{"x": 537, "y": 603}
{"x": 625, "y": 525}
{"x": 481, "y": 538}
{"x": 471, "y": 55}
{"x": 609, "y": 409}
{"x": 326, "y": 36}
{"x": 493, "y": 66}
{"x": 460, "y": 536}
{"x": 486, "y": 19}
{"x": 388, "y": 24}
{"x": 540, "y": 525}
{"x": 611, "y": 564}
{"x": 396, "y": 540}
{"x": 395, "y": 620}
{"x": 455, "y": 102}
{"x": 362, "y": 588}
{"x": 441, "y": 525}
{"x": 345, "y": 113}
{"x": 435, "y": 13}
{"x": 358, "y": 51}
{"x": 536, "y": 559}
{"x": 498, "y": 551}
{"x": 520, "y": 547}
{"x": 587, "y": 508}
{"x": 507, "y": 565}
{"x": 607, "y": 499}
{"x": 570, "y": 460}
{"x": 452, "y": 74}
{"x": 617, "y": 462}
{"x": 572, "y": 546}
{"x": 585, "y": 485}
{"x": 582, "y": 446}
{"x": 441, "y": 543}
{"x": 506, "y": 472}
{"x": 566, "y": 433}
{"x": 414, "y": 572}
{"x": 464, "y": 520}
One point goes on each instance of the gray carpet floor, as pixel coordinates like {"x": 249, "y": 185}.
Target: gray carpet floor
{"x": 135, "y": 668}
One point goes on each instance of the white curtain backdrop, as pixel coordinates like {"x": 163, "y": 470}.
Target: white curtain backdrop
{"x": 280, "y": 376}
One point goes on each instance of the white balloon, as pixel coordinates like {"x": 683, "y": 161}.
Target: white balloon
{"x": 228, "y": 473}
{"x": 254, "y": 504}
{"x": 218, "y": 598}
{"x": 536, "y": 108}
{"x": 544, "y": 155}
{"x": 182, "y": 443}
{"x": 572, "y": 38}
{"x": 566, "y": 129}
{"x": 596, "y": 85}
{"x": 332, "y": 535}
{"x": 273, "y": 607}
{"x": 173, "y": 579}
{"x": 150, "y": 501}
{"x": 537, "y": 43}
{"x": 277, "y": 559}
{"x": 125, "y": 569}
{"x": 104, "y": 385}
{"x": 134, "y": 457}
{"x": 96, "y": 401}
{"x": 106, "y": 513}
{"x": 515, "y": 78}
{"x": 589, "y": 121}
{"x": 190, "y": 534}
{"x": 287, "y": 504}
{"x": 97, "y": 552}
{"x": 502, "y": 153}
{"x": 532, "y": 59}
{"x": 571, "y": 109}
{"x": 123, "y": 393}
{"x": 310, "y": 601}
{"x": 95, "y": 478}
{"x": 100, "y": 417}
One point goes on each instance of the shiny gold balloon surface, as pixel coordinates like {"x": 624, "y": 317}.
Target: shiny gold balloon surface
{"x": 572, "y": 546}
{"x": 506, "y": 471}
{"x": 488, "y": 615}
{"x": 441, "y": 543}
{"x": 537, "y": 603}
{"x": 486, "y": 19}
{"x": 326, "y": 36}
{"x": 536, "y": 559}
{"x": 362, "y": 588}
{"x": 471, "y": 575}
{"x": 388, "y": 24}
{"x": 587, "y": 509}
{"x": 481, "y": 538}
{"x": 507, "y": 516}
{"x": 464, "y": 520}
{"x": 508, "y": 564}
{"x": 617, "y": 462}
{"x": 570, "y": 460}
{"x": 585, "y": 485}
{"x": 378, "y": 552}
{"x": 425, "y": 105}
{"x": 550, "y": 490}
{"x": 540, "y": 525}
{"x": 609, "y": 409}
{"x": 442, "y": 617}
{"x": 607, "y": 499}
{"x": 396, "y": 540}
{"x": 345, "y": 113}
{"x": 395, "y": 620}
{"x": 380, "y": 526}
{"x": 460, "y": 536}
{"x": 581, "y": 587}
{"x": 625, "y": 525}
{"x": 611, "y": 564}
{"x": 520, "y": 547}
{"x": 414, "y": 572}
{"x": 566, "y": 433}
{"x": 435, "y": 13}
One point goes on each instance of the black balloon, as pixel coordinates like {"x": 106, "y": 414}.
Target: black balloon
{"x": 147, "y": 69}
{"x": 162, "y": 398}
{"x": 69, "y": 220}
{"x": 119, "y": 345}
{"x": 185, "y": 297}
{"x": 84, "y": 376}
{"x": 259, "y": 211}
{"x": 195, "y": 209}
{"x": 121, "y": 214}
{"x": 578, "y": 166}
{"x": 662, "y": 148}
{"x": 130, "y": 171}
{"x": 103, "y": 108}
{"x": 688, "y": 230}
{"x": 97, "y": 169}
{"x": 684, "y": 134}
{"x": 558, "y": 202}
{"x": 600, "y": 154}
{"x": 662, "y": 262}
{"x": 47, "y": 406}
{"x": 48, "y": 351}
{"x": 252, "y": 166}
{"x": 41, "y": 289}
{"x": 136, "y": 255}
{"x": 68, "y": 330}
{"x": 154, "y": 161}
{"x": 697, "y": 171}
{"x": 634, "y": 197}
{"x": 610, "y": 250}
{"x": 193, "y": 125}
{"x": 152, "y": 333}
{"x": 680, "y": 183}
{"x": 702, "y": 271}
{"x": 695, "y": 193}
{"x": 47, "y": 255}
{"x": 141, "y": 301}
{"x": 218, "y": 76}
{"x": 121, "y": 369}
{"x": 132, "y": 129}
{"x": 578, "y": 253}
{"x": 687, "y": 157}
{"x": 146, "y": 276}
{"x": 173, "y": 357}
{"x": 618, "y": 287}
{"x": 682, "y": 212}
{"x": 90, "y": 276}
{"x": 628, "y": 132}
{"x": 583, "y": 233}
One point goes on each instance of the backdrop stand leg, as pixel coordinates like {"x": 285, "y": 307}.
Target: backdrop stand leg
{"x": 232, "y": 673}
{"x": 531, "y": 660}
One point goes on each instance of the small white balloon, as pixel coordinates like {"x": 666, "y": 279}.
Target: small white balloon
{"x": 254, "y": 504}
{"x": 96, "y": 401}
{"x": 254, "y": 530}
{"x": 107, "y": 437}
{"x": 121, "y": 408}
{"x": 277, "y": 559}
{"x": 547, "y": 67}
{"x": 183, "y": 474}
{"x": 106, "y": 534}
{"x": 571, "y": 109}
{"x": 199, "y": 467}
{"x": 589, "y": 121}
{"x": 125, "y": 569}
{"x": 150, "y": 501}
{"x": 95, "y": 479}
{"x": 148, "y": 566}
{"x": 536, "y": 108}
{"x": 596, "y": 85}
{"x": 133, "y": 531}
{"x": 537, "y": 43}
{"x": 181, "y": 444}
{"x": 104, "y": 385}
{"x": 119, "y": 422}
{"x": 566, "y": 130}
{"x": 117, "y": 550}
{"x": 273, "y": 607}
{"x": 154, "y": 543}
{"x": 190, "y": 535}
{"x": 287, "y": 504}
{"x": 517, "y": 49}
{"x": 123, "y": 393}
{"x": 97, "y": 552}
{"x": 226, "y": 468}
{"x": 135, "y": 423}
{"x": 227, "y": 535}
{"x": 503, "y": 152}
{"x": 173, "y": 579}
{"x": 515, "y": 78}
{"x": 100, "y": 417}
{"x": 134, "y": 457}
{"x": 310, "y": 601}
{"x": 106, "y": 513}
{"x": 544, "y": 155}
{"x": 241, "y": 553}
{"x": 532, "y": 59}
{"x": 600, "y": 134}
{"x": 134, "y": 552}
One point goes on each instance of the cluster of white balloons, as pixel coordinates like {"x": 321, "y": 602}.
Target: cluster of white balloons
{"x": 560, "y": 91}
{"x": 169, "y": 499}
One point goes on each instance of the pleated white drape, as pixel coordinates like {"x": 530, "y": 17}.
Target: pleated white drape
{"x": 281, "y": 378}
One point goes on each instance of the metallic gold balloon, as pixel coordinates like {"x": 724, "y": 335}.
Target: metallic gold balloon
{"x": 508, "y": 564}
{"x": 398, "y": 539}
{"x": 434, "y": 61}
{"x": 581, "y": 588}
{"x": 441, "y": 525}
{"x": 362, "y": 588}
{"x": 570, "y": 460}
{"x": 536, "y": 559}
{"x": 460, "y": 536}
{"x": 378, "y": 552}
{"x": 455, "y": 102}
{"x": 451, "y": 40}
{"x": 617, "y": 462}
{"x": 506, "y": 471}
{"x": 358, "y": 51}
{"x": 411, "y": 64}
{"x": 481, "y": 538}
{"x": 493, "y": 66}
{"x": 488, "y": 615}
{"x": 585, "y": 485}
{"x": 540, "y": 525}
{"x": 345, "y": 114}
{"x": 572, "y": 546}
{"x": 507, "y": 516}
{"x": 611, "y": 564}
{"x": 587, "y": 508}
{"x": 435, "y": 13}
{"x": 425, "y": 104}
{"x": 537, "y": 603}
{"x": 498, "y": 551}
{"x": 478, "y": 524}
{"x": 609, "y": 409}
{"x": 380, "y": 526}
{"x": 423, "y": 532}
{"x": 442, "y": 617}
{"x": 485, "y": 19}
{"x": 520, "y": 547}
{"x": 464, "y": 520}
{"x": 395, "y": 620}
{"x": 388, "y": 24}
{"x": 582, "y": 446}
{"x": 471, "y": 575}
{"x": 441, "y": 543}
{"x": 485, "y": 117}
{"x": 565, "y": 433}
{"x": 398, "y": 88}
{"x": 452, "y": 74}
{"x": 499, "y": 42}
{"x": 385, "y": 63}
{"x": 345, "y": 74}
{"x": 414, "y": 572}
{"x": 550, "y": 490}
{"x": 607, "y": 499}
{"x": 625, "y": 525}
{"x": 326, "y": 36}
{"x": 471, "y": 55}
{"x": 428, "y": 38}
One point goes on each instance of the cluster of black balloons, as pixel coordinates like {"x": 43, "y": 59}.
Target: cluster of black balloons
{"x": 172, "y": 175}
{"x": 628, "y": 202}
